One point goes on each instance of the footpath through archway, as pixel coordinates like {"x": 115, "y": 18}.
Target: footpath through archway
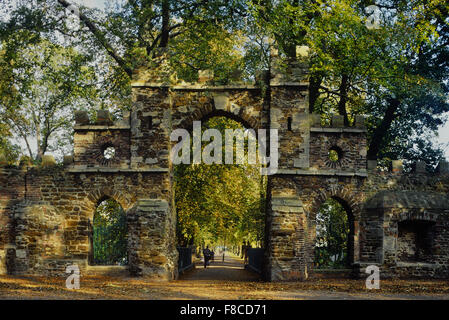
{"x": 232, "y": 269}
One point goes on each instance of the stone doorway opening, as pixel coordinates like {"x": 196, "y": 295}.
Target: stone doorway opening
{"x": 108, "y": 235}
{"x": 220, "y": 206}
{"x": 334, "y": 245}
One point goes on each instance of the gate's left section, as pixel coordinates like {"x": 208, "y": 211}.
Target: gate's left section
{"x": 127, "y": 161}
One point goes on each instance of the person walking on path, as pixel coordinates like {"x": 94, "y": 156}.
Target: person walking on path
{"x": 207, "y": 256}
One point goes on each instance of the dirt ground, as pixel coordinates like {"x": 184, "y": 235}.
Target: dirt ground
{"x": 220, "y": 280}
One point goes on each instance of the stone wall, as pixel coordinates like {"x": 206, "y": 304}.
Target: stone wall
{"x": 404, "y": 212}
{"x": 52, "y": 219}
{"x": 46, "y": 212}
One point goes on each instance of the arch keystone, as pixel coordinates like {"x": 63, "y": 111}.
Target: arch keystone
{"x": 221, "y": 102}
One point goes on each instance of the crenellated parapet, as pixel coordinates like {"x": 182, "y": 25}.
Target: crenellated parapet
{"x": 418, "y": 178}
{"x": 332, "y": 149}
{"x": 338, "y": 147}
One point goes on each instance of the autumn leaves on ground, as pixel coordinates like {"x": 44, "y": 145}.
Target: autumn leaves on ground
{"x": 220, "y": 280}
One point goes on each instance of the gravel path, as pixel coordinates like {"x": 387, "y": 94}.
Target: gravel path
{"x": 232, "y": 269}
{"x": 221, "y": 280}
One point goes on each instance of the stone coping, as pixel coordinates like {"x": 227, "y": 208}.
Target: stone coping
{"x": 193, "y": 86}
{"x": 198, "y": 86}
{"x": 115, "y": 170}
{"x": 415, "y": 264}
{"x": 408, "y": 199}
{"x": 332, "y": 270}
{"x": 339, "y": 130}
{"x": 101, "y": 127}
{"x": 311, "y": 172}
{"x": 289, "y": 84}
{"x": 127, "y": 127}
{"x": 106, "y": 268}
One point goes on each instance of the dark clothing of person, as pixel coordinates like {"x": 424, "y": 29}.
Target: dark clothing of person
{"x": 207, "y": 256}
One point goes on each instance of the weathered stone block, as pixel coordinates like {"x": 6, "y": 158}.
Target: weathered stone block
{"x": 81, "y": 118}
{"x": 337, "y": 121}
{"x": 221, "y": 102}
{"x": 360, "y": 121}
{"x": 372, "y": 164}
{"x": 48, "y": 161}
{"x": 103, "y": 118}
{"x": 397, "y": 166}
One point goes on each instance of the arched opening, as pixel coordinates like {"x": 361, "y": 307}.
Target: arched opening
{"x": 220, "y": 206}
{"x": 334, "y": 245}
{"x": 109, "y": 233}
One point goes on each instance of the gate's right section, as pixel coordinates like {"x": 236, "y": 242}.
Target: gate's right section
{"x": 317, "y": 163}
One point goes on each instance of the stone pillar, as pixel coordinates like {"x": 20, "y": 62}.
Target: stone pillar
{"x": 150, "y": 127}
{"x": 286, "y": 252}
{"x": 397, "y": 166}
{"x": 289, "y": 114}
{"x": 152, "y": 234}
{"x": 151, "y": 240}
{"x": 287, "y": 227}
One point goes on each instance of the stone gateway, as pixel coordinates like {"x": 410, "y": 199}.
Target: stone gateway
{"x": 398, "y": 221}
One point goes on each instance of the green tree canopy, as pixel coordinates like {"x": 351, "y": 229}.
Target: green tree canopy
{"x": 396, "y": 74}
{"x": 217, "y": 203}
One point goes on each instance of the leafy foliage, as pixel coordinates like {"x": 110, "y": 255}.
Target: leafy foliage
{"x": 219, "y": 203}
{"x": 110, "y": 234}
{"x": 396, "y": 74}
{"x": 332, "y": 229}
{"x": 45, "y": 83}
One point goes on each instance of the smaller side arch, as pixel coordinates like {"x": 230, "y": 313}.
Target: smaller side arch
{"x": 352, "y": 204}
{"x": 100, "y": 194}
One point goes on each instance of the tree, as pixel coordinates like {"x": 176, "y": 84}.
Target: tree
{"x": 332, "y": 229}
{"x": 132, "y": 32}
{"x": 8, "y": 150}
{"x": 127, "y": 37}
{"x": 397, "y": 74}
{"x": 45, "y": 84}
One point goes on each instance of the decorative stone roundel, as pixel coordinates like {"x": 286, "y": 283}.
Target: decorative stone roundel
{"x": 335, "y": 157}
{"x": 108, "y": 154}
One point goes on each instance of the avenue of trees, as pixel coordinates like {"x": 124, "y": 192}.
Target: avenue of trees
{"x": 220, "y": 204}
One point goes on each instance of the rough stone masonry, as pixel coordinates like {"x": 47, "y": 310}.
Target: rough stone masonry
{"x": 398, "y": 221}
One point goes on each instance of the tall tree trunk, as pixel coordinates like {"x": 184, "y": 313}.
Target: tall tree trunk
{"x": 382, "y": 130}
{"x": 165, "y": 24}
{"x": 343, "y": 90}
{"x": 314, "y": 91}
{"x": 37, "y": 133}
{"x": 100, "y": 36}
{"x": 38, "y": 143}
